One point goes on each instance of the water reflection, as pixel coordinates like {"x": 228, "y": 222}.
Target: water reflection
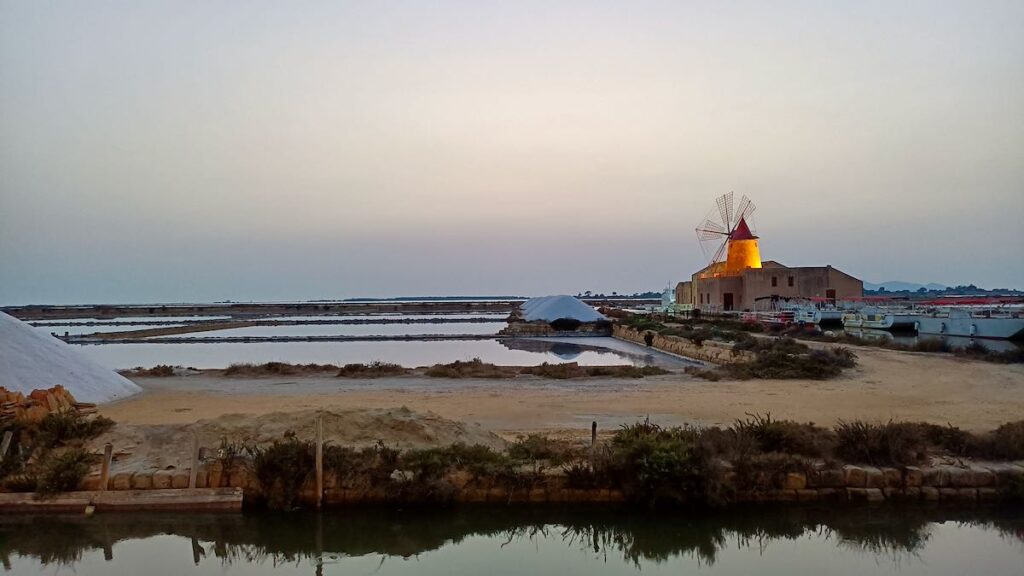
{"x": 633, "y": 537}
{"x": 604, "y": 352}
{"x": 571, "y": 351}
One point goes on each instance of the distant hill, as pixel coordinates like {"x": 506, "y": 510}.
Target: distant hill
{"x": 899, "y": 286}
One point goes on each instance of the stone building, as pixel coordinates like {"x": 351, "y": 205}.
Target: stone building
{"x": 756, "y": 288}
{"x": 741, "y": 281}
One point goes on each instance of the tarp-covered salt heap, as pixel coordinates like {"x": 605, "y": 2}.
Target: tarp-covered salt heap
{"x": 32, "y": 360}
{"x": 557, "y": 315}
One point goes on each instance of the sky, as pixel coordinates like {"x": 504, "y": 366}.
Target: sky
{"x": 202, "y": 151}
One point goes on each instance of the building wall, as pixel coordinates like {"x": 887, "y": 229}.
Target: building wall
{"x": 684, "y": 293}
{"x": 755, "y": 284}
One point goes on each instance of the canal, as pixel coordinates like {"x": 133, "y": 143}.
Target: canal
{"x": 482, "y": 540}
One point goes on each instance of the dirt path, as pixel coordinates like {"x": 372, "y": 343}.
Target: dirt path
{"x": 887, "y": 384}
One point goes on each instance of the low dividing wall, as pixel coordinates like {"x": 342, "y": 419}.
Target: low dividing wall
{"x": 709, "y": 350}
{"x": 977, "y": 481}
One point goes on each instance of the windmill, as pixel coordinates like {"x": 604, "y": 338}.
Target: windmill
{"x": 725, "y": 229}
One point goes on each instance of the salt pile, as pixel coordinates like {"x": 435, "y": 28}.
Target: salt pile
{"x": 551, "y": 308}
{"x": 32, "y": 360}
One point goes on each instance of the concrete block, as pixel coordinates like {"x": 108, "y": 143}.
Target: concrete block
{"x": 180, "y": 480}
{"x": 784, "y": 496}
{"x": 912, "y": 493}
{"x": 91, "y": 482}
{"x": 988, "y": 494}
{"x": 936, "y": 477}
{"x": 831, "y": 494}
{"x": 961, "y": 478}
{"x": 948, "y": 494}
{"x": 142, "y": 481}
{"x": 834, "y": 478}
{"x": 912, "y": 477}
{"x": 870, "y": 495}
{"x": 875, "y": 477}
{"x": 161, "y": 479}
{"x": 967, "y": 494}
{"x": 983, "y": 477}
{"x": 794, "y": 481}
{"x": 121, "y": 481}
{"x": 854, "y": 476}
{"x": 893, "y": 493}
{"x": 807, "y": 495}
{"x": 893, "y": 478}
{"x": 929, "y": 493}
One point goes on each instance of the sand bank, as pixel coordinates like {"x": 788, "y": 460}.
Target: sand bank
{"x": 887, "y": 384}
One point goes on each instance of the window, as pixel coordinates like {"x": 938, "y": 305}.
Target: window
{"x": 775, "y": 281}
{"x": 790, "y": 281}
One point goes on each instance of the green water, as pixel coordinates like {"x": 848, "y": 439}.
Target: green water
{"x": 763, "y": 541}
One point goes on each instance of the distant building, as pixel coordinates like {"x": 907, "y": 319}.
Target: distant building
{"x": 743, "y": 282}
{"x": 756, "y": 288}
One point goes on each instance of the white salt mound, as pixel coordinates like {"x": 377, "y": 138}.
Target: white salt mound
{"x": 31, "y": 360}
{"x": 551, "y": 308}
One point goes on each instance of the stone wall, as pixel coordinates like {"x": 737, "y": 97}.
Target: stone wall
{"x": 709, "y": 350}
{"x": 969, "y": 482}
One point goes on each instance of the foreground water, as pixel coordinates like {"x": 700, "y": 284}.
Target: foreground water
{"x": 767, "y": 542}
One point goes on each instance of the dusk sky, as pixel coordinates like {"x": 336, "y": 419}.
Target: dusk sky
{"x": 200, "y": 151}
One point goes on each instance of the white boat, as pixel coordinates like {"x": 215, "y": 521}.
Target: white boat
{"x": 811, "y": 315}
{"x": 879, "y": 319}
{"x": 769, "y": 317}
{"x": 972, "y": 324}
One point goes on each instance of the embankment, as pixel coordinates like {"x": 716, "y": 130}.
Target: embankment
{"x": 708, "y": 350}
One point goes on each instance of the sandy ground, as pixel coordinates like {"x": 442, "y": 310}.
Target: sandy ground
{"x": 163, "y": 446}
{"x": 886, "y": 384}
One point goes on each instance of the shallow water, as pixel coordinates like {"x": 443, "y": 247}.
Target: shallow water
{"x": 471, "y": 540}
{"x": 350, "y": 330}
{"x": 595, "y": 352}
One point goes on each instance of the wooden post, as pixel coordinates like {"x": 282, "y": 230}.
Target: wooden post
{"x": 6, "y": 444}
{"x": 593, "y": 433}
{"x": 319, "y": 460}
{"x": 195, "y": 462}
{"x": 108, "y": 455}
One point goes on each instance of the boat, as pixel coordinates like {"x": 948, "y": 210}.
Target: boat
{"x": 769, "y": 317}
{"x": 811, "y": 315}
{"x": 879, "y": 319}
{"x": 1000, "y": 324}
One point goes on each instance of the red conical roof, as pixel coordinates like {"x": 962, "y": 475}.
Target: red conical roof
{"x": 741, "y": 232}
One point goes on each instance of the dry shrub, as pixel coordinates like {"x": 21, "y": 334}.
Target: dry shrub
{"x": 659, "y": 465}
{"x": 158, "y": 371}
{"x": 375, "y": 369}
{"x": 785, "y": 358}
{"x": 59, "y": 428}
{"x": 63, "y": 471}
{"x": 889, "y": 444}
{"x": 1005, "y": 442}
{"x": 785, "y": 436}
{"x": 573, "y": 370}
{"x": 282, "y": 468}
{"x": 761, "y": 472}
{"x": 276, "y": 369}
{"x": 474, "y": 368}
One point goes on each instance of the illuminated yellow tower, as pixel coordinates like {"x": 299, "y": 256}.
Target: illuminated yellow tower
{"x": 742, "y": 252}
